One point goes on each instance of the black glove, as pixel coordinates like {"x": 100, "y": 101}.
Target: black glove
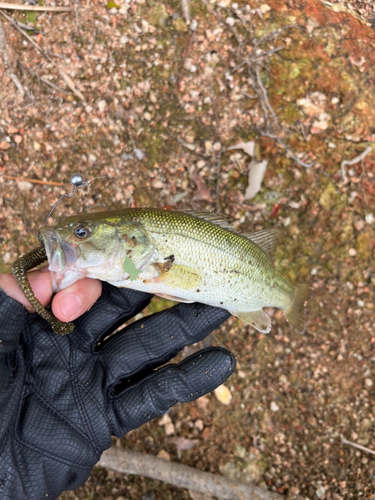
{"x": 62, "y": 397}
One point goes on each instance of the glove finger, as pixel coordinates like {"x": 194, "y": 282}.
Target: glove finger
{"x": 153, "y": 396}
{"x": 13, "y": 318}
{"x": 114, "y": 307}
{"x": 153, "y": 341}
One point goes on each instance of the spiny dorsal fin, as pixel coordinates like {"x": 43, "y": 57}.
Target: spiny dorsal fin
{"x": 218, "y": 219}
{"x": 267, "y": 240}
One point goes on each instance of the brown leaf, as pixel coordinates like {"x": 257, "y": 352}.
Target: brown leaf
{"x": 203, "y": 193}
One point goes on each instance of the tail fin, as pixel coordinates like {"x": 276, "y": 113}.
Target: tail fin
{"x": 295, "y": 314}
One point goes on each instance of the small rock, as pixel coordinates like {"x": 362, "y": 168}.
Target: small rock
{"x": 25, "y": 186}
{"x": 369, "y": 218}
{"x": 153, "y": 97}
{"x": 4, "y": 145}
{"x": 320, "y": 492}
{"x": 223, "y": 394}
{"x": 147, "y": 116}
{"x": 124, "y": 40}
{"x": 190, "y": 136}
{"x": 165, "y": 419}
{"x": 194, "y": 25}
{"x": 102, "y": 105}
{"x": 199, "y": 424}
{"x": 164, "y": 455}
{"x": 113, "y": 10}
{"x": 352, "y": 252}
{"x": 202, "y": 402}
{"x": 88, "y": 109}
{"x": 230, "y": 21}
{"x": 369, "y": 382}
{"x": 37, "y": 146}
{"x": 18, "y": 139}
{"x": 188, "y": 65}
{"x": 208, "y": 147}
{"x": 92, "y": 157}
{"x": 264, "y": 8}
{"x": 274, "y": 406}
{"x": 169, "y": 429}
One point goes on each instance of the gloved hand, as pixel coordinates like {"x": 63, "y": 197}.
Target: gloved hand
{"x": 62, "y": 397}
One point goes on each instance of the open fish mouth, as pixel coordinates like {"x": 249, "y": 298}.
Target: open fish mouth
{"x": 62, "y": 259}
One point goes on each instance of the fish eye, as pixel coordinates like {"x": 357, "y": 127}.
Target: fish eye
{"x": 82, "y": 231}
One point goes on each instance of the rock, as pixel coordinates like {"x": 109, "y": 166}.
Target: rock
{"x": 102, "y": 105}
{"x": 223, "y": 395}
{"x": 25, "y": 186}
{"x": 4, "y": 145}
{"x": 164, "y": 455}
{"x": 274, "y": 406}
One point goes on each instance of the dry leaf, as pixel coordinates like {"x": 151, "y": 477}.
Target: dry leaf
{"x": 248, "y": 147}
{"x": 182, "y": 444}
{"x": 256, "y": 174}
{"x": 203, "y": 193}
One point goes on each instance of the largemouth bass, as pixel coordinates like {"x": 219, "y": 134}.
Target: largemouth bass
{"x": 183, "y": 256}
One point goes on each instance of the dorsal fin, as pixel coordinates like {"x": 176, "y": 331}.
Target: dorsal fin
{"x": 218, "y": 219}
{"x": 267, "y": 240}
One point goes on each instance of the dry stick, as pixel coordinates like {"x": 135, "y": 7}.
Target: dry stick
{"x": 358, "y": 446}
{"x": 186, "y": 10}
{"x": 353, "y": 162}
{"x": 37, "y": 8}
{"x": 291, "y": 155}
{"x": 182, "y": 476}
{"x": 7, "y": 65}
{"x": 34, "y": 181}
{"x": 62, "y": 73}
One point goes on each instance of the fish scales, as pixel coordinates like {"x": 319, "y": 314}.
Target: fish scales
{"x": 184, "y": 256}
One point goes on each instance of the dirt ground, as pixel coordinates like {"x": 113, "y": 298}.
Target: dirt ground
{"x": 159, "y": 95}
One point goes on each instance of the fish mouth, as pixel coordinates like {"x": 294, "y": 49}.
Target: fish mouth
{"x": 62, "y": 259}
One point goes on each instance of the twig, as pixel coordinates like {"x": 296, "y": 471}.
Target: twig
{"x": 353, "y": 162}
{"x": 7, "y": 65}
{"x": 186, "y": 10}
{"x": 182, "y": 476}
{"x": 44, "y": 80}
{"x": 69, "y": 82}
{"x": 358, "y": 446}
{"x": 34, "y": 181}
{"x": 36, "y": 8}
{"x": 291, "y": 155}
{"x": 218, "y": 168}
{"x": 265, "y": 95}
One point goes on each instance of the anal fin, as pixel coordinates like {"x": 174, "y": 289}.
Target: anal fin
{"x": 257, "y": 319}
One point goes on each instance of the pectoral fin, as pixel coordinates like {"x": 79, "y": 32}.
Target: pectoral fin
{"x": 257, "y": 319}
{"x": 177, "y": 276}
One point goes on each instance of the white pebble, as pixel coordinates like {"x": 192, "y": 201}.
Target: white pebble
{"x": 369, "y": 382}
{"x": 102, "y": 105}
{"x": 369, "y": 218}
{"x": 194, "y": 25}
{"x": 25, "y": 186}
{"x": 230, "y": 21}
{"x": 274, "y": 406}
{"x": 124, "y": 40}
{"x": 352, "y": 252}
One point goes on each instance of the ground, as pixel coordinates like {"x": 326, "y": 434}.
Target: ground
{"x": 157, "y": 100}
